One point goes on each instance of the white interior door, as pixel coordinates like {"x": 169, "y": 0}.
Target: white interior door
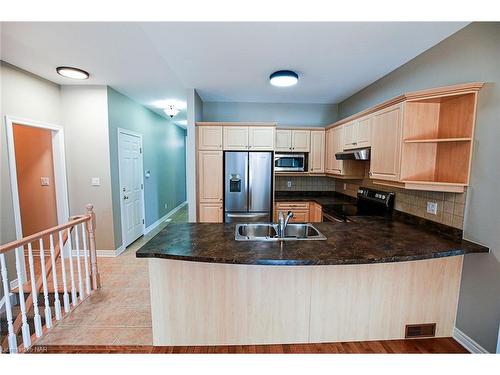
{"x": 131, "y": 186}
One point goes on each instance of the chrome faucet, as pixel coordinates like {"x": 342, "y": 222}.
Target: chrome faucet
{"x": 283, "y": 222}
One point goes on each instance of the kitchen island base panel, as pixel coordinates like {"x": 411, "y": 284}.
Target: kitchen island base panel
{"x": 196, "y": 303}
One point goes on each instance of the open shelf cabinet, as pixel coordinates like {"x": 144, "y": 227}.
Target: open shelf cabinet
{"x": 437, "y": 141}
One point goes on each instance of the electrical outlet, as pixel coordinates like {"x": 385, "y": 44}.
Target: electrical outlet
{"x": 96, "y": 181}
{"x": 165, "y": 205}
{"x": 289, "y": 184}
{"x": 345, "y": 186}
{"x": 44, "y": 181}
{"x": 432, "y": 208}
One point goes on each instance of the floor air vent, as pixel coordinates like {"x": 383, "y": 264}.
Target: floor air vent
{"x": 414, "y": 331}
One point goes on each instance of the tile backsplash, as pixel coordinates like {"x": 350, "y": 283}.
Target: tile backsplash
{"x": 304, "y": 183}
{"x": 450, "y": 206}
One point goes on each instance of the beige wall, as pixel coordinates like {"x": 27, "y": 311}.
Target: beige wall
{"x": 85, "y": 119}
{"x": 34, "y": 160}
{"x": 82, "y": 112}
{"x": 25, "y": 96}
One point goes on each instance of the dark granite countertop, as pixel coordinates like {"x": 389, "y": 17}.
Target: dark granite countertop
{"x": 321, "y": 197}
{"x": 368, "y": 240}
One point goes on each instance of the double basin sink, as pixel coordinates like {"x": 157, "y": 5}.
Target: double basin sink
{"x": 269, "y": 232}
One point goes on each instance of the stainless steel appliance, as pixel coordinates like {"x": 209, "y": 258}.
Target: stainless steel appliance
{"x": 290, "y": 162}
{"x": 247, "y": 186}
{"x": 369, "y": 203}
{"x": 358, "y": 154}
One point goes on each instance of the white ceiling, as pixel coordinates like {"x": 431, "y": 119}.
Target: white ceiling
{"x": 223, "y": 61}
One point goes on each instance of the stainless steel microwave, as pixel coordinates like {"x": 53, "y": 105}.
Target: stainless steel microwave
{"x": 290, "y": 162}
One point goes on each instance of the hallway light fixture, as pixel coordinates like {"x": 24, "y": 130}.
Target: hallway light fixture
{"x": 70, "y": 72}
{"x": 171, "y": 110}
{"x": 284, "y": 78}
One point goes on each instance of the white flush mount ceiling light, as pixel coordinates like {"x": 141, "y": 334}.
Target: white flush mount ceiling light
{"x": 70, "y": 72}
{"x": 171, "y": 110}
{"x": 283, "y": 78}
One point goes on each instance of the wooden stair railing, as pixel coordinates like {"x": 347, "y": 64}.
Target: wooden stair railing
{"x": 68, "y": 235}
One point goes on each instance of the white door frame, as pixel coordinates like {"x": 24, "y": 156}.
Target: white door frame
{"x": 122, "y": 216}
{"x": 59, "y": 159}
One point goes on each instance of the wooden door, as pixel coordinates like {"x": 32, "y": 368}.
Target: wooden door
{"x": 261, "y": 138}
{"x": 350, "y": 135}
{"x": 209, "y": 137}
{"x": 131, "y": 186}
{"x": 236, "y": 138}
{"x": 337, "y": 166}
{"x": 301, "y": 140}
{"x": 386, "y": 144}
{"x": 210, "y": 176}
{"x": 364, "y": 131}
{"x": 317, "y": 153}
{"x": 210, "y": 213}
{"x": 283, "y": 140}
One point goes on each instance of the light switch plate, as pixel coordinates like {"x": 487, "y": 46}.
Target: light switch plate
{"x": 96, "y": 181}
{"x": 432, "y": 208}
{"x": 44, "y": 181}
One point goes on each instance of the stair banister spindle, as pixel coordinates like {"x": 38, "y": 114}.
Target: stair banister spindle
{"x": 48, "y": 311}
{"x": 96, "y": 282}
{"x": 78, "y": 263}
{"x": 25, "y": 329}
{"x": 86, "y": 257}
{"x": 8, "y": 307}
{"x": 63, "y": 271}
{"x": 57, "y": 303}
{"x": 71, "y": 270}
{"x": 34, "y": 293}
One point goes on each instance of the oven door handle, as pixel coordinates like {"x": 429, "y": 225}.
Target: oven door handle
{"x": 332, "y": 218}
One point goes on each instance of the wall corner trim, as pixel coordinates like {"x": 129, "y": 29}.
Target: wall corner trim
{"x": 467, "y": 342}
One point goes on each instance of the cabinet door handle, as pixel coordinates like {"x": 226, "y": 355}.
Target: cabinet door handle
{"x": 370, "y": 174}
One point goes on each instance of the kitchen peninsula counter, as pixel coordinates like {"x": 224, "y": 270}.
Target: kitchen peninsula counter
{"x": 368, "y": 281}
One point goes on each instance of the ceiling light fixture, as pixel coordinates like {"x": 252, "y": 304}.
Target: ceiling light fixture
{"x": 283, "y": 78}
{"x": 171, "y": 110}
{"x": 74, "y": 73}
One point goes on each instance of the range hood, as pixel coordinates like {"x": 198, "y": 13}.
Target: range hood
{"x": 358, "y": 154}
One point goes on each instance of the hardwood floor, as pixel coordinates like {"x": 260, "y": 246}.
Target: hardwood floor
{"x": 420, "y": 346}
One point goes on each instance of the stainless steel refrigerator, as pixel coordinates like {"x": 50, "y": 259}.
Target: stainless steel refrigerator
{"x": 247, "y": 186}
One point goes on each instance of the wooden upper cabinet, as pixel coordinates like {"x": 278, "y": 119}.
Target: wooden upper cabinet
{"x": 357, "y": 133}
{"x": 209, "y": 137}
{"x": 301, "y": 140}
{"x": 261, "y": 138}
{"x": 350, "y": 135}
{"x": 291, "y": 140}
{"x": 364, "y": 131}
{"x": 317, "y": 153}
{"x": 337, "y": 146}
{"x": 283, "y": 140}
{"x": 235, "y": 138}
{"x": 386, "y": 143}
{"x": 210, "y": 177}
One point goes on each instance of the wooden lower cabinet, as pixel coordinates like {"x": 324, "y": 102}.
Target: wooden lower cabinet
{"x": 210, "y": 213}
{"x": 303, "y": 212}
{"x": 315, "y": 212}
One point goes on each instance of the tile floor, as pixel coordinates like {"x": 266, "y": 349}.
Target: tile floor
{"x": 120, "y": 312}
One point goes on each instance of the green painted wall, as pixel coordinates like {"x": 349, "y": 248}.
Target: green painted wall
{"x": 164, "y": 148}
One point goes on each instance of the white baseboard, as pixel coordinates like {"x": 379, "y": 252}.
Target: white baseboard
{"x": 467, "y": 342}
{"x": 162, "y": 219}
